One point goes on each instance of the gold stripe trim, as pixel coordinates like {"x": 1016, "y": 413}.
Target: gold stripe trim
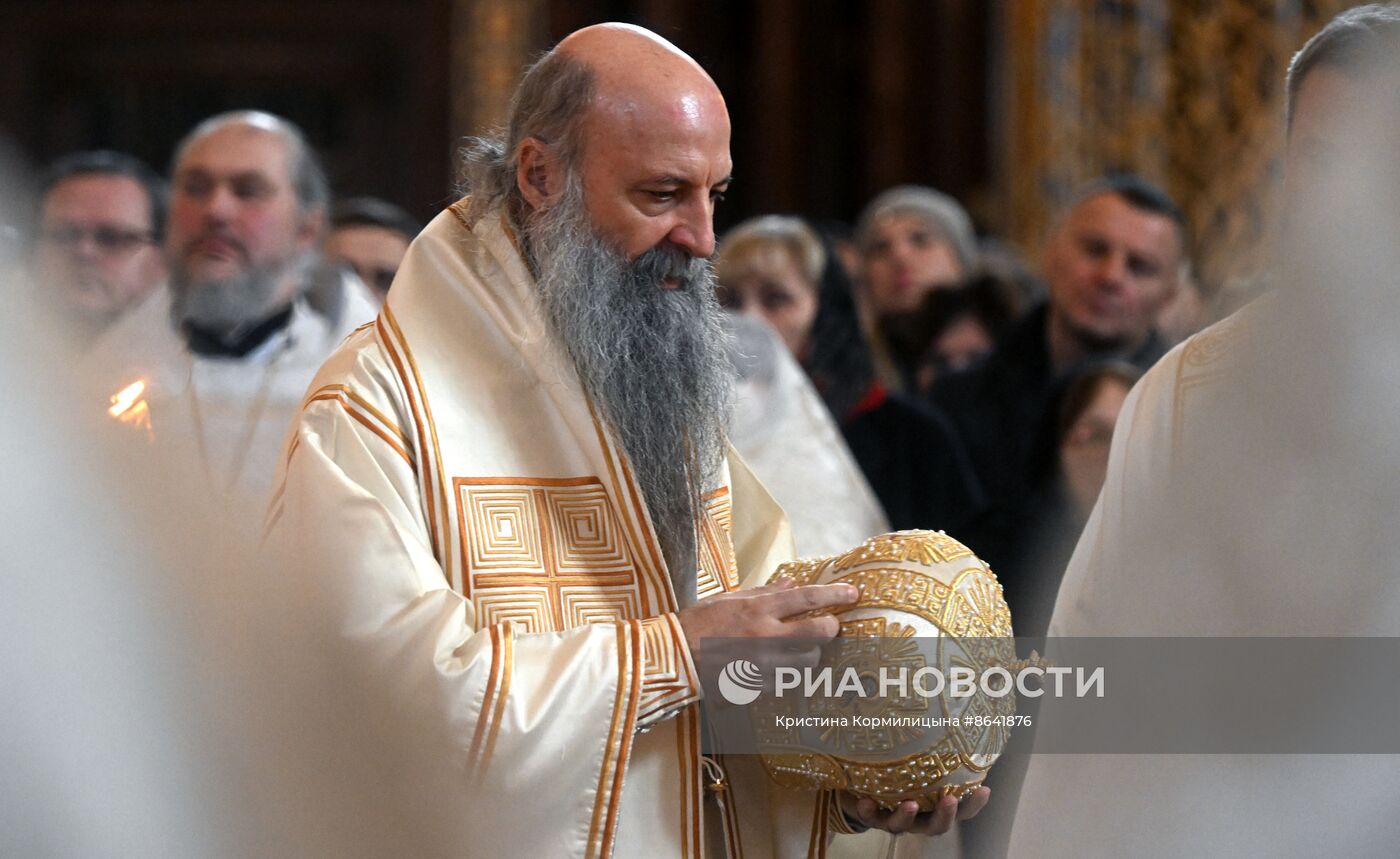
{"x": 600, "y": 794}
{"x": 690, "y": 833}
{"x": 459, "y": 214}
{"x": 730, "y": 818}
{"x": 274, "y": 517}
{"x": 507, "y": 659}
{"x": 816, "y": 844}
{"x": 433, "y": 475}
{"x": 599, "y": 831}
{"x": 487, "y": 700}
{"x": 424, "y": 476}
{"x": 643, "y": 517}
{"x": 547, "y": 559}
{"x": 367, "y": 422}
{"x": 584, "y": 578}
{"x": 364, "y": 404}
{"x": 286, "y": 468}
{"x": 629, "y": 728}
{"x": 697, "y": 792}
{"x": 590, "y": 480}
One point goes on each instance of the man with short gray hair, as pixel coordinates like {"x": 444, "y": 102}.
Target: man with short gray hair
{"x": 224, "y": 354}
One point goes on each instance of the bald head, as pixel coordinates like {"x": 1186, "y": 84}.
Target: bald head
{"x": 305, "y": 171}
{"x": 653, "y": 145}
{"x": 627, "y": 116}
{"x": 634, "y": 67}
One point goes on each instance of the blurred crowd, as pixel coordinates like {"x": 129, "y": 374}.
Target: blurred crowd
{"x": 903, "y": 371}
{"x": 960, "y": 386}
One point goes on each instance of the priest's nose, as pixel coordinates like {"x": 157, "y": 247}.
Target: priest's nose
{"x": 695, "y": 232}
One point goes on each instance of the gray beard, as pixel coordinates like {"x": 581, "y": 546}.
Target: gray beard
{"x": 232, "y": 303}
{"x": 654, "y": 362}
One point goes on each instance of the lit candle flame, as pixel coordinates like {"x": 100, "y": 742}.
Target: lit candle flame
{"x": 126, "y": 398}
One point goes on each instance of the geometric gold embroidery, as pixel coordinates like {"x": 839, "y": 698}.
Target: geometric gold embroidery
{"x": 668, "y": 679}
{"x": 718, "y": 572}
{"x": 586, "y": 535}
{"x": 659, "y": 656}
{"x": 547, "y": 554}
{"x": 505, "y": 532}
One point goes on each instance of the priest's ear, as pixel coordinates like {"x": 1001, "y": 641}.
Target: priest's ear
{"x": 539, "y": 172}
{"x": 311, "y": 228}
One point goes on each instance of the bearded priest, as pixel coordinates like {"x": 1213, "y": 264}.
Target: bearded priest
{"x": 514, "y": 493}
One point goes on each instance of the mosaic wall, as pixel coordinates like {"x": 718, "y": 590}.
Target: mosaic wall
{"x": 1186, "y": 92}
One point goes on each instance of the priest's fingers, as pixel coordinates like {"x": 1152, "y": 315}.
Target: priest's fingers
{"x": 906, "y": 817}
{"x": 823, "y": 626}
{"x": 867, "y": 813}
{"x": 940, "y": 820}
{"x": 973, "y": 803}
{"x": 902, "y": 819}
{"x": 785, "y": 583}
{"x": 811, "y": 598}
{"x": 950, "y": 810}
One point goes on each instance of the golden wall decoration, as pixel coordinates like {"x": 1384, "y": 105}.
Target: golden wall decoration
{"x": 492, "y": 43}
{"x": 1188, "y": 93}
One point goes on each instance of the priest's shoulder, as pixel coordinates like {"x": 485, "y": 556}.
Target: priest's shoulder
{"x": 1201, "y": 360}
{"x": 362, "y": 366}
{"x": 458, "y": 227}
{"x": 1210, "y": 350}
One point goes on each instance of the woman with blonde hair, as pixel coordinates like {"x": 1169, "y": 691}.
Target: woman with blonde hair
{"x": 777, "y": 269}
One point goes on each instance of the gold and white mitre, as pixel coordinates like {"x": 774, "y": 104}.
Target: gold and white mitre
{"x": 926, "y": 601}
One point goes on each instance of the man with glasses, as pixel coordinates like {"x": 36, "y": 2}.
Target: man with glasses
{"x": 97, "y": 234}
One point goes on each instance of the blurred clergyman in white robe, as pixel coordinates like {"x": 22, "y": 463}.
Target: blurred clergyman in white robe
{"x": 786, "y": 435}
{"x": 214, "y": 367}
{"x": 1253, "y": 491}
{"x": 159, "y": 701}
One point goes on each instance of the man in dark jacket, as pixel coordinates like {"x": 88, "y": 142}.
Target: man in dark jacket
{"x": 1110, "y": 264}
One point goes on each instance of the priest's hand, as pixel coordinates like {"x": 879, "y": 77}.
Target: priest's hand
{"x": 907, "y": 817}
{"x": 770, "y": 625}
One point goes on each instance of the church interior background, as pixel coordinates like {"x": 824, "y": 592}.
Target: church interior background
{"x": 1006, "y": 104}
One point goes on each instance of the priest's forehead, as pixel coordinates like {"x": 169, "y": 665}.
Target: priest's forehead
{"x": 644, "y": 88}
{"x": 288, "y": 157}
{"x": 238, "y": 149}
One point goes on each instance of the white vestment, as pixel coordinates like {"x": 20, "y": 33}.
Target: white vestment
{"x": 474, "y": 534}
{"x": 221, "y": 416}
{"x": 786, "y": 435}
{"x": 1250, "y": 492}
